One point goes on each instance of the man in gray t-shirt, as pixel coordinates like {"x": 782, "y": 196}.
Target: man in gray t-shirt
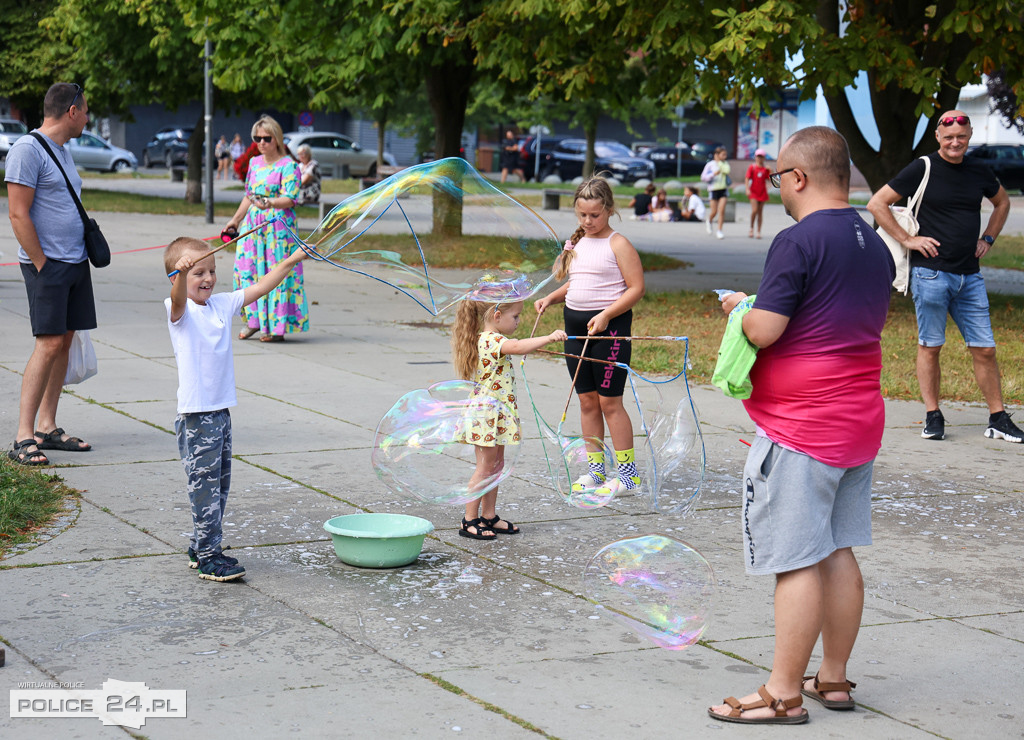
{"x": 49, "y": 230}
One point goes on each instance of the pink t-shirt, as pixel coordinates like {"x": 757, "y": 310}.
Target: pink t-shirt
{"x": 595, "y": 280}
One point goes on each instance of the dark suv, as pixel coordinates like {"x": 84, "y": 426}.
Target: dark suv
{"x": 528, "y": 155}
{"x": 668, "y": 159}
{"x": 1006, "y": 162}
{"x": 169, "y": 145}
{"x": 610, "y": 156}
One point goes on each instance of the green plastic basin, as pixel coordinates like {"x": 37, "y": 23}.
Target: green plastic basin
{"x": 378, "y": 540}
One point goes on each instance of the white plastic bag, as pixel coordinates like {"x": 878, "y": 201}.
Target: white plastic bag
{"x": 81, "y": 359}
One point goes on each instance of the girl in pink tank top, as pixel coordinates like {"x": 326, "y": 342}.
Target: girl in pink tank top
{"x": 605, "y": 281}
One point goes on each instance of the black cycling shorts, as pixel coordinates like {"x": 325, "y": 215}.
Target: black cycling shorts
{"x": 596, "y": 376}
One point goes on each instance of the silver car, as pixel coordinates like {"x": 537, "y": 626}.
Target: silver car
{"x": 90, "y": 152}
{"x": 333, "y": 151}
{"x": 10, "y": 131}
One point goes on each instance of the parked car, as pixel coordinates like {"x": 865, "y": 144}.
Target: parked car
{"x": 667, "y": 159}
{"x": 702, "y": 149}
{"x": 90, "y": 152}
{"x": 528, "y": 155}
{"x": 611, "y": 156}
{"x": 334, "y": 151}
{"x": 168, "y": 145}
{"x": 1005, "y": 160}
{"x": 10, "y": 131}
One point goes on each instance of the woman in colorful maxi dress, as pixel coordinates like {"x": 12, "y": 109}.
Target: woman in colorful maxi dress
{"x": 271, "y": 188}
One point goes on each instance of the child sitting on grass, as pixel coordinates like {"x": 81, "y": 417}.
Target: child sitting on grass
{"x": 200, "y": 327}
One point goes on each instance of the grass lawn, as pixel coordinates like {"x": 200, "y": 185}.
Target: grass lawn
{"x": 29, "y": 499}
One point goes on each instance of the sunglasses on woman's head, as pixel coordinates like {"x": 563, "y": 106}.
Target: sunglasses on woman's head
{"x": 950, "y": 120}
{"x": 263, "y": 139}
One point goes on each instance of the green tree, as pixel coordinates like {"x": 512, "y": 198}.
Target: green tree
{"x": 31, "y": 58}
{"x": 917, "y": 55}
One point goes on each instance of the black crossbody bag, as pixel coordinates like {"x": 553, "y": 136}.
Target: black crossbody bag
{"x": 95, "y": 243}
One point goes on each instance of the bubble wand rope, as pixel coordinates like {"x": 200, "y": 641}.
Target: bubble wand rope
{"x": 226, "y": 244}
{"x": 660, "y": 339}
{"x": 581, "y": 357}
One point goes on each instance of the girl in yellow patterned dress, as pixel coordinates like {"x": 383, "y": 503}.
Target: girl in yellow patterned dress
{"x": 482, "y": 356}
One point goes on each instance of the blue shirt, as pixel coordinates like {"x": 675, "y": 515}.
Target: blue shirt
{"x": 53, "y": 213}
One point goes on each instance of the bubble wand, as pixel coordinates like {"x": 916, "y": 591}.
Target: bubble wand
{"x": 572, "y": 387}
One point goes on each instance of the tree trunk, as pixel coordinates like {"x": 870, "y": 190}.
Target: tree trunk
{"x": 448, "y": 87}
{"x": 590, "y": 132}
{"x": 382, "y": 123}
{"x": 194, "y": 176}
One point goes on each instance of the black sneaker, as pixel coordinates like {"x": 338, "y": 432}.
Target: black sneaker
{"x": 193, "y": 559}
{"x": 935, "y": 425}
{"x": 218, "y": 568}
{"x": 1000, "y": 426}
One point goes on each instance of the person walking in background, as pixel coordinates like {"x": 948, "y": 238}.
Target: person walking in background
{"x": 223, "y": 154}
{"x": 945, "y": 269}
{"x": 817, "y": 320}
{"x": 510, "y": 157}
{"x": 51, "y": 239}
{"x": 757, "y": 191}
{"x": 716, "y": 175}
{"x": 271, "y": 188}
{"x": 236, "y": 149}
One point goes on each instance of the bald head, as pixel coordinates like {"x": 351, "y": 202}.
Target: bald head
{"x": 823, "y": 154}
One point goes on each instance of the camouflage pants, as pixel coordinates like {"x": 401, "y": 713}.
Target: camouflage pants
{"x": 204, "y": 442}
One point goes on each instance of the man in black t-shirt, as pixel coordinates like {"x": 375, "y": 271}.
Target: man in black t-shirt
{"x": 945, "y": 274}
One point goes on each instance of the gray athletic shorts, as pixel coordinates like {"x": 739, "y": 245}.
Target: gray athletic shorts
{"x": 797, "y": 511}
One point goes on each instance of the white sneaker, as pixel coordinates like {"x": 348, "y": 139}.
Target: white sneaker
{"x": 719, "y": 234}
{"x": 615, "y": 487}
{"x": 707, "y": 225}
{"x": 585, "y": 484}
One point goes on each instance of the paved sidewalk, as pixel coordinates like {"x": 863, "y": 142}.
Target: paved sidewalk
{"x": 477, "y": 639}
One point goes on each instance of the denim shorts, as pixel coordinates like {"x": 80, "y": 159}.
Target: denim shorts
{"x": 963, "y": 297}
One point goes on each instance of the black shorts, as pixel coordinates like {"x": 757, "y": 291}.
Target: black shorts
{"x": 718, "y": 194}
{"x": 60, "y": 297}
{"x": 596, "y": 376}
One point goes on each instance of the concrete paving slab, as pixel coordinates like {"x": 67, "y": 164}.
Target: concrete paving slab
{"x": 93, "y": 534}
{"x": 932, "y": 656}
{"x": 668, "y": 693}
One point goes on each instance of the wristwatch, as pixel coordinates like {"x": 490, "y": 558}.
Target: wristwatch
{"x": 990, "y": 240}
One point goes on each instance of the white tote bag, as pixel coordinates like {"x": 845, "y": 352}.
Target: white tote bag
{"x": 81, "y": 359}
{"x": 907, "y": 219}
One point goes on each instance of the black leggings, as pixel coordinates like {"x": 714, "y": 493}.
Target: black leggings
{"x": 596, "y": 376}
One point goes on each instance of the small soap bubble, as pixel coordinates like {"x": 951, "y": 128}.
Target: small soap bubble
{"x": 657, "y": 586}
{"x": 421, "y": 450}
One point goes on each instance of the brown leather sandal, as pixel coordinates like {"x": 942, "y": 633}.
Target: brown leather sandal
{"x": 767, "y": 700}
{"x": 817, "y": 693}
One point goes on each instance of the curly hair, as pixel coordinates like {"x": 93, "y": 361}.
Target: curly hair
{"x": 596, "y": 188}
{"x": 466, "y": 335}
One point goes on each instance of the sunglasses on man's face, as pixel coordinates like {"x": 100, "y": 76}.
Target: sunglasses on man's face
{"x": 950, "y": 120}
{"x": 263, "y": 139}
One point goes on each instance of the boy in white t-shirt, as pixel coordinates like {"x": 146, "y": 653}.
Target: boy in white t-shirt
{"x": 200, "y": 327}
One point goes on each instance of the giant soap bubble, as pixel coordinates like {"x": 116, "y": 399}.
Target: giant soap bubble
{"x": 657, "y": 586}
{"x": 421, "y": 449}
{"x": 667, "y": 442}
{"x": 408, "y": 230}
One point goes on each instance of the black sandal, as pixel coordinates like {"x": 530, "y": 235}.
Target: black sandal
{"x": 53, "y": 441}
{"x": 510, "y": 528}
{"x": 480, "y": 529}
{"x": 22, "y": 456}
